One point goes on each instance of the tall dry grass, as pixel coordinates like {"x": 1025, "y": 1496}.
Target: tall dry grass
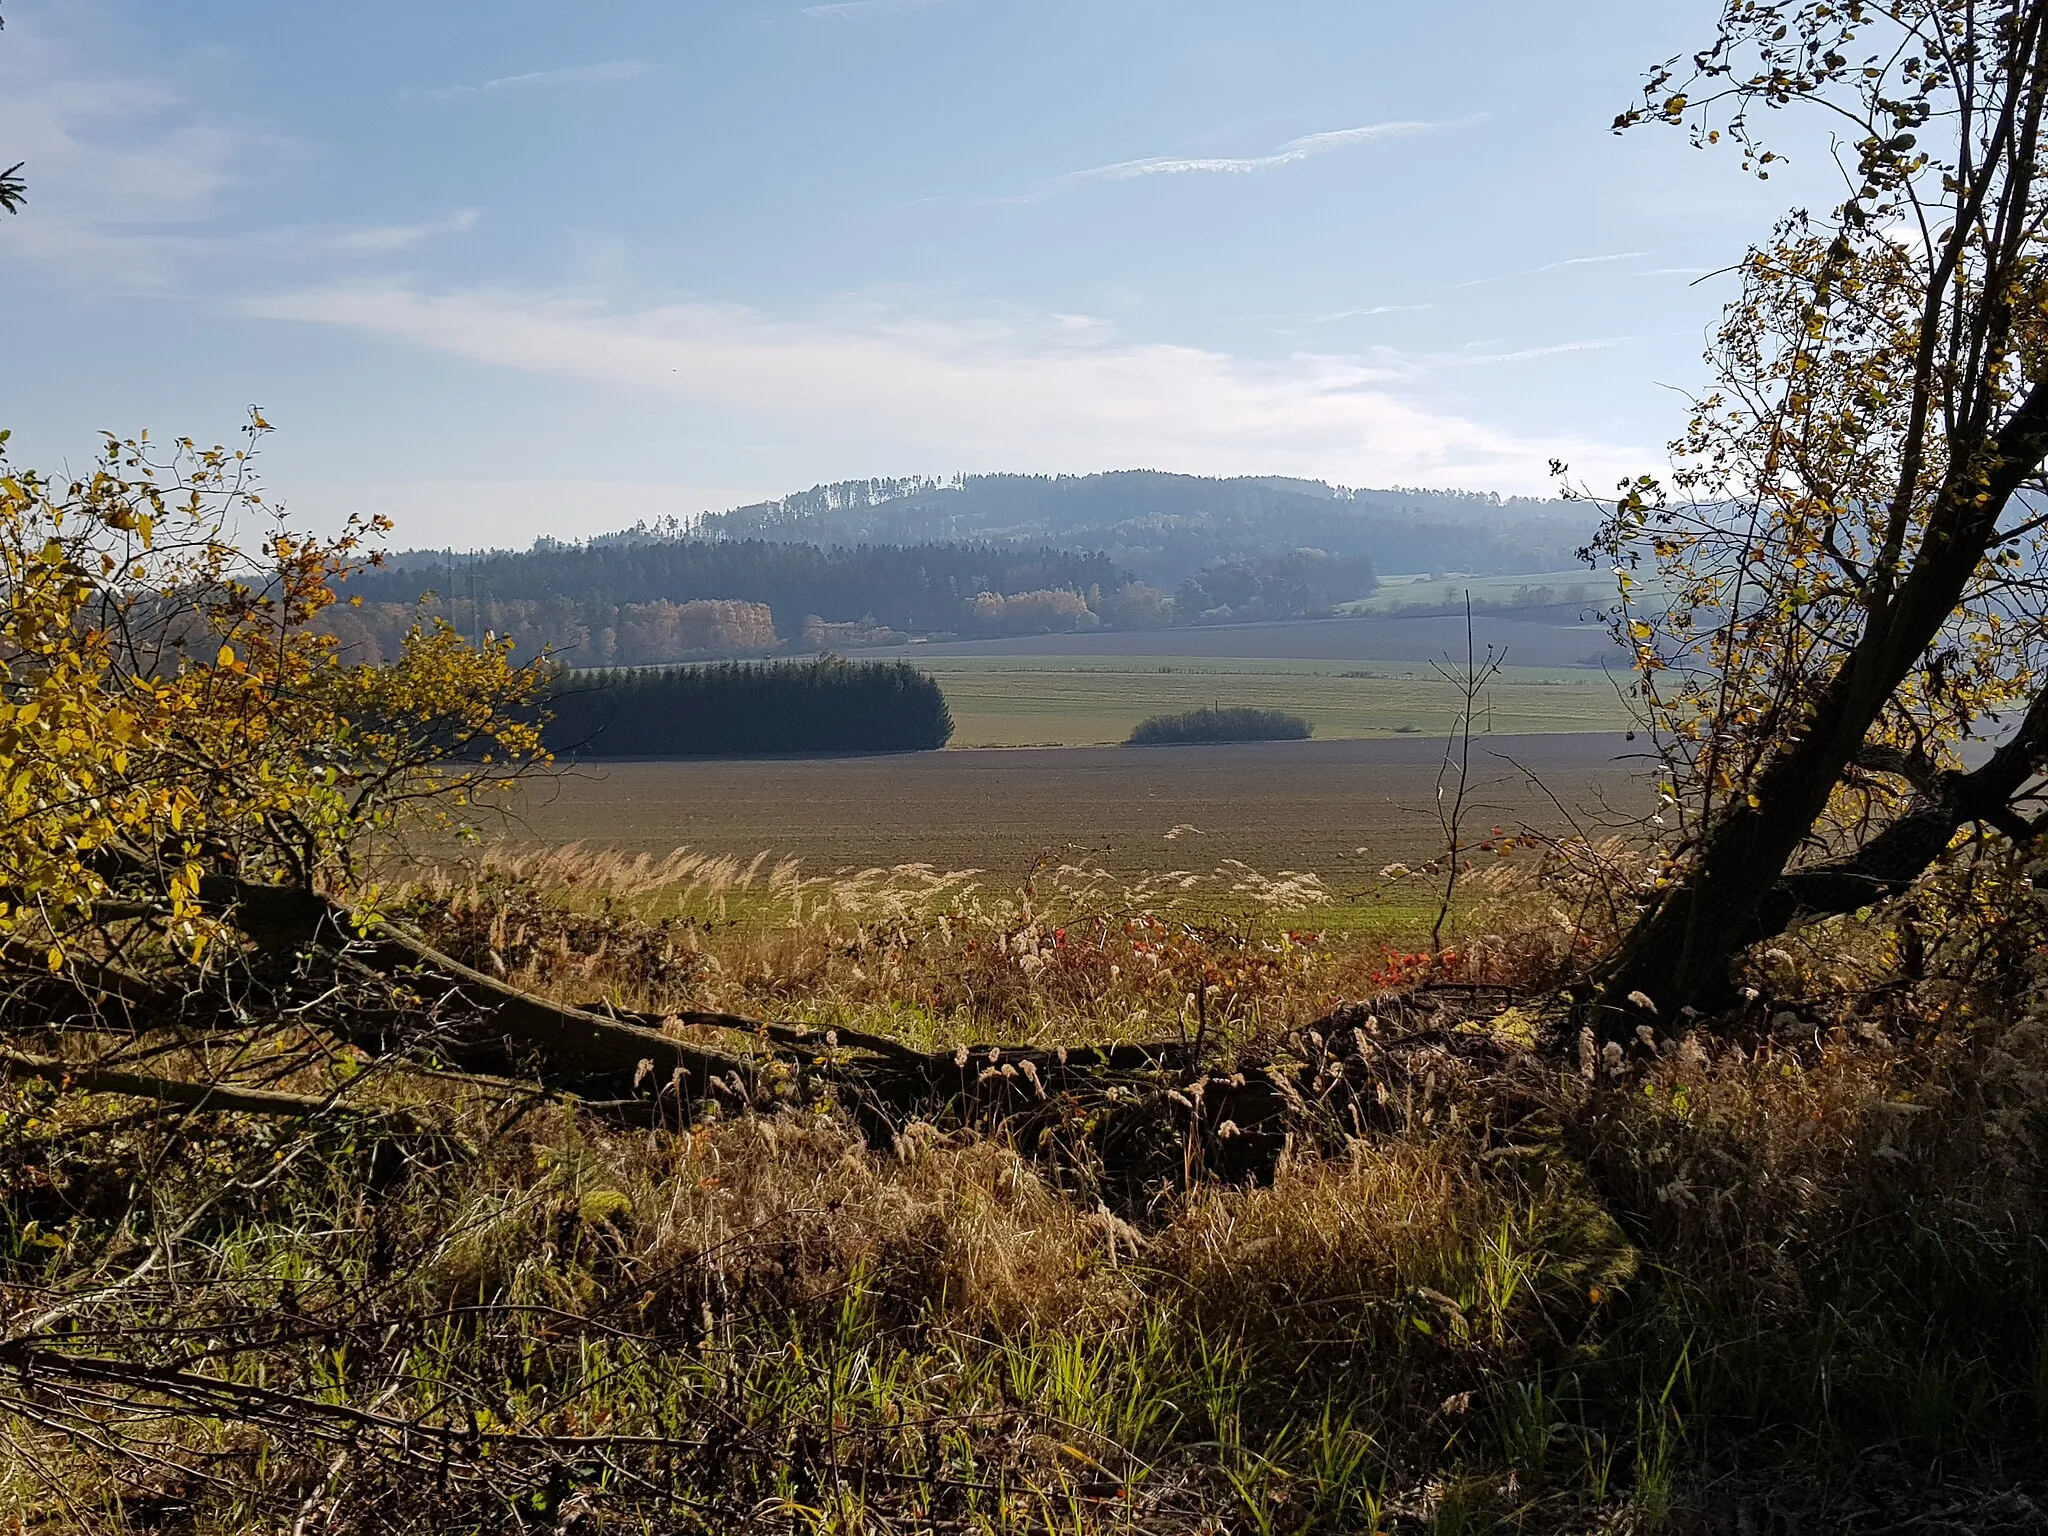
{"x": 1074, "y": 955}
{"x": 1792, "y": 1268}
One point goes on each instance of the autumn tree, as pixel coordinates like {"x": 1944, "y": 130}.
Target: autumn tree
{"x": 175, "y": 725}
{"x": 1841, "y": 586}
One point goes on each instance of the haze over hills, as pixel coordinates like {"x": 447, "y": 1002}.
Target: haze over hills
{"x": 878, "y": 562}
{"x": 1166, "y": 527}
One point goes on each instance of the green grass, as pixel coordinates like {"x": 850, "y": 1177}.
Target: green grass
{"x": 1415, "y": 591}
{"x": 1593, "y": 589}
{"x": 1072, "y": 701}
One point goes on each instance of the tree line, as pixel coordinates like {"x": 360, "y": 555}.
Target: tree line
{"x": 739, "y": 708}
{"x": 918, "y": 588}
{"x": 617, "y": 603}
{"x": 1168, "y": 528}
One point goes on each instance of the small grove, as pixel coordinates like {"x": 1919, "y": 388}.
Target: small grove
{"x": 1239, "y": 722}
{"x": 740, "y": 708}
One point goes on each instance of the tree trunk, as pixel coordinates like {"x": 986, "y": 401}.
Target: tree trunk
{"x": 1681, "y": 947}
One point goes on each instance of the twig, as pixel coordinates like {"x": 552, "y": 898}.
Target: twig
{"x": 210, "y": 1097}
{"x": 1471, "y": 684}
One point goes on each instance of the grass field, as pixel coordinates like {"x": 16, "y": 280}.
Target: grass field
{"x": 1075, "y": 701}
{"x": 1558, "y": 635}
{"x": 1397, "y": 592}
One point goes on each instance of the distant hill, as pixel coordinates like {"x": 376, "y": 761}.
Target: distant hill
{"x": 1167, "y": 528}
{"x": 875, "y": 562}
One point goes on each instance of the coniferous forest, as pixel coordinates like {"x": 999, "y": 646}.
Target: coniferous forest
{"x": 734, "y": 708}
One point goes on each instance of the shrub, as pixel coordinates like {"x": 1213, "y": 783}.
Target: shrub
{"x": 1236, "y": 723}
{"x": 735, "y": 708}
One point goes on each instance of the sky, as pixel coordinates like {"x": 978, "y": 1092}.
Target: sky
{"x": 509, "y": 269}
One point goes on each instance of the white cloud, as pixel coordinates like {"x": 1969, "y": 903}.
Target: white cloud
{"x": 377, "y": 238}
{"x": 1553, "y": 266}
{"x": 1589, "y": 261}
{"x": 607, "y": 73}
{"x": 1376, "y": 309}
{"x": 994, "y": 390}
{"x": 1595, "y": 344}
{"x": 114, "y": 165}
{"x": 127, "y": 177}
{"x": 853, "y": 10}
{"x": 1291, "y": 153}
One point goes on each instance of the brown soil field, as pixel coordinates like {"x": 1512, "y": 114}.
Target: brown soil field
{"x": 1341, "y": 809}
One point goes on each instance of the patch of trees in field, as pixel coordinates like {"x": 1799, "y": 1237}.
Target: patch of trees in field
{"x": 1279, "y": 587}
{"x": 1214, "y": 723}
{"x": 735, "y": 709}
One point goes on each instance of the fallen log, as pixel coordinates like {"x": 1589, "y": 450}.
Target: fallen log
{"x": 1153, "y": 1106}
{"x": 507, "y": 1029}
{"x": 198, "y": 1096}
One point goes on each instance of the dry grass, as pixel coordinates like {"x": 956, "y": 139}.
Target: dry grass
{"x": 1076, "y": 954}
{"x": 1793, "y": 1269}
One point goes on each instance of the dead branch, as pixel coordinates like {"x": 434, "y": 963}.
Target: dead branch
{"x": 510, "y": 1030}
{"x": 206, "y": 1097}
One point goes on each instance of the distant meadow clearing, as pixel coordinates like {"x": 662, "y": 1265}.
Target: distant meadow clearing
{"x": 1080, "y": 701}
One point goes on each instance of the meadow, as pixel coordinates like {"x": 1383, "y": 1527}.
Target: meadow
{"x": 1457, "y": 1287}
{"x": 1090, "y": 700}
{"x": 1554, "y": 635}
{"x": 1580, "y": 588}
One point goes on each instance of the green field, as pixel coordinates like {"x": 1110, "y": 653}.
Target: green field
{"x": 1074, "y": 701}
{"x": 1592, "y": 589}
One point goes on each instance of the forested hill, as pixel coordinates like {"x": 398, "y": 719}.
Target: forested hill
{"x": 918, "y": 588}
{"x": 874, "y": 562}
{"x": 1166, "y": 528}
{"x": 649, "y": 600}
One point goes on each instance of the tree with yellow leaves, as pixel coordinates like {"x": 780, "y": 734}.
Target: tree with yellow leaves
{"x": 172, "y": 716}
{"x": 1849, "y": 580}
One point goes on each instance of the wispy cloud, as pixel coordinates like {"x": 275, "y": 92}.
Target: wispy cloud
{"x": 1293, "y": 152}
{"x": 854, "y": 10}
{"x": 122, "y": 171}
{"x": 1554, "y": 266}
{"x": 373, "y": 238}
{"x": 1002, "y": 387}
{"x": 608, "y": 73}
{"x": 1525, "y": 354}
{"x": 1589, "y": 261}
{"x": 1362, "y": 314}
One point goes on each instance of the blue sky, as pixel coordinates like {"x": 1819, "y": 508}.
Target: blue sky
{"x": 512, "y": 268}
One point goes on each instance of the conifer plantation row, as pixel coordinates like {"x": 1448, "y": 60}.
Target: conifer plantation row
{"x": 826, "y": 704}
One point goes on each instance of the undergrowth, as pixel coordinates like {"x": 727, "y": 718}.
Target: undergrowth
{"x": 1790, "y": 1270}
